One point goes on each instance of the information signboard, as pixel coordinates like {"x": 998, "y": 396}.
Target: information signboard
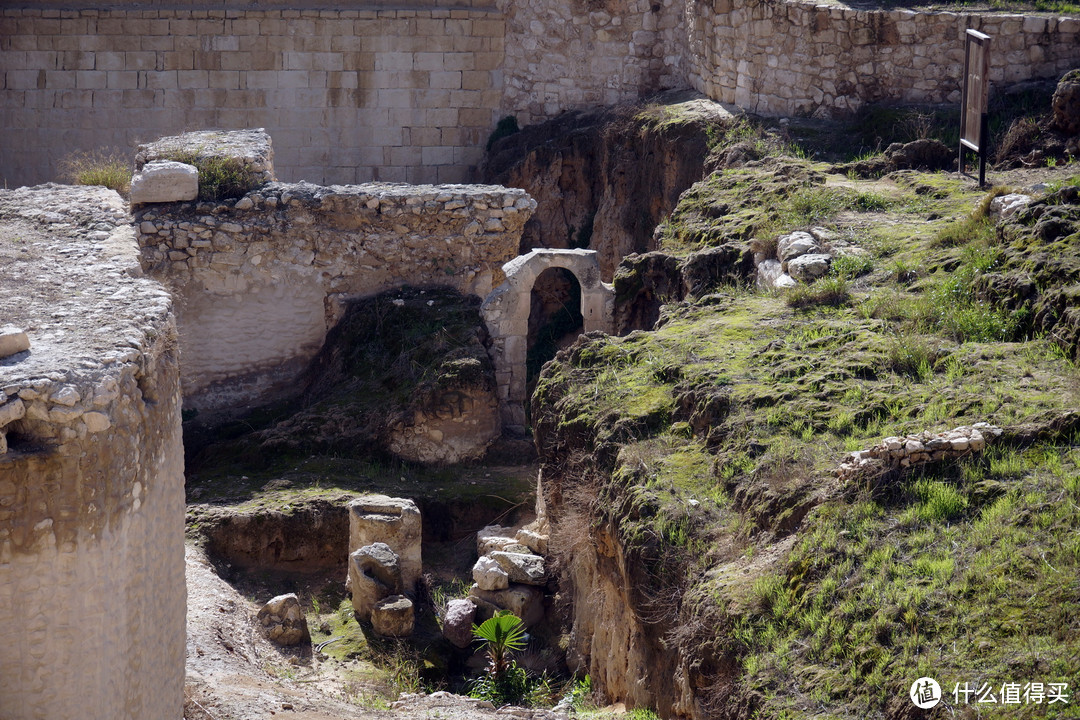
{"x": 976, "y": 96}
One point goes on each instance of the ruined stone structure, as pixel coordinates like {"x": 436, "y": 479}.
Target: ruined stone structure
{"x": 285, "y": 256}
{"x": 410, "y": 93}
{"x": 506, "y": 314}
{"x": 92, "y": 598}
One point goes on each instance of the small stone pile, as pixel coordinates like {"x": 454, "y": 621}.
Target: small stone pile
{"x": 282, "y": 621}
{"x": 802, "y": 256}
{"x": 510, "y": 575}
{"x": 925, "y": 447}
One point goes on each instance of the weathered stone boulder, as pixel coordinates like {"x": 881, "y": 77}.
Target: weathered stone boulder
{"x": 1066, "y": 104}
{"x": 165, "y": 181}
{"x": 525, "y": 601}
{"x": 374, "y": 574}
{"x": 768, "y": 272}
{"x": 488, "y": 575}
{"x": 1006, "y": 205}
{"x": 393, "y": 617}
{"x": 791, "y": 246}
{"x": 12, "y": 340}
{"x": 521, "y": 567}
{"x": 393, "y": 521}
{"x": 458, "y": 622}
{"x": 282, "y": 621}
{"x": 808, "y": 268}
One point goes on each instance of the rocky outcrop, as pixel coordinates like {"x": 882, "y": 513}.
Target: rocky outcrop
{"x": 604, "y": 180}
{"x": 643, "y": 283}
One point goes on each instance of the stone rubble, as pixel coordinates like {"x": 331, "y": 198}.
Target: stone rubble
{"x": 282, "y": 621}
{"x": 912, "y": 450}
{"x": 801, "y": 256}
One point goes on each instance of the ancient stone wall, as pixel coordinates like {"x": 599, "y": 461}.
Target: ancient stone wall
{"x": 565, "y": 54}
{"x": 410, "y": 92}
{"x": 785, "y": 57}
{"x": 350, "y": 95}
{"x": 259, "y": 279}
{"x": 92, "y": 599}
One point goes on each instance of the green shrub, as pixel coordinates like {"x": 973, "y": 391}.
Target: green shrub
{"x": 98, "y": 167}
{"x": 504, "y": 128}
{"x": 219, "y": 177}
{"x": 938, "y": 502}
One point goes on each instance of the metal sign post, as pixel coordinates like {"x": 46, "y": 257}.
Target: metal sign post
{"x": 974, "y": 125}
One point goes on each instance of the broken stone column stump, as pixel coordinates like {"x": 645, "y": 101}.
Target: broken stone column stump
{"x": 374, "y": 574}
{"x": 393, "y": 521}
{"x": 393, "y": 617}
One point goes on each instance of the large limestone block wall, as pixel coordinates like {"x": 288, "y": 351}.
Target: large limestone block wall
{"x": 567, "y": 54}
{"x": 260, "y": 280}
{"x": 786, "y": 57}
{"x": 92, "y": 593}
{"x": 350, "y": 95}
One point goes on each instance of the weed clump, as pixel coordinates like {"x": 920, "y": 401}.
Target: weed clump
{"x": 219, "y": 177}
{"x": 98, "y": 167}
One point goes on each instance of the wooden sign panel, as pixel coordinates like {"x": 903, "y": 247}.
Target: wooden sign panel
{"x": 976, "y": 90}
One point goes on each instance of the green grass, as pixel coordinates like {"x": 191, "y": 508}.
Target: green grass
{"x": 219, "y": 177}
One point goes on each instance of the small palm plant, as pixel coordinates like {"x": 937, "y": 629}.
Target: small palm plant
{"x": 505, "y": 682}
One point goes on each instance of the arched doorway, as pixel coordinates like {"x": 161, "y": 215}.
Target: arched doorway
{"x": 555, "y": 319}
{"x": 506, "y": 312}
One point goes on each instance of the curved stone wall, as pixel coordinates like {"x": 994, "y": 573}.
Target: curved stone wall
{"x": 92, "y": 598}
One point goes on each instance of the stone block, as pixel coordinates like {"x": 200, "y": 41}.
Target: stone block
{"x": 489, "y": 575}
{"x": 394, "y": 521}
{"x": 809, "y": 267}
{"x": 12, "y": 340}
{"x": 494, "y": 537}
{"x": 522, "y": 568}
{"x": 165, "y": 181}
{"x": 525, "y": 601}
{"x": 393, "y": 617}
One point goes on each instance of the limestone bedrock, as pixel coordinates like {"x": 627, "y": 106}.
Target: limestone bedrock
{"x": 92, "y": 484}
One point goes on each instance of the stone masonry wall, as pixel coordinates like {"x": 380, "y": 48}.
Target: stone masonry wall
{"x": 259, "y": 279}
{"x": 92, "y": 596}
{"x": 382, "y": 92}
{"x": 350, "y": 95}
{"x": 566, "y": 54}
{"x": 793, "y": 57}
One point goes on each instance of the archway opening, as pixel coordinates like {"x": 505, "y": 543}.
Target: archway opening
{"x": 555, "y": 319}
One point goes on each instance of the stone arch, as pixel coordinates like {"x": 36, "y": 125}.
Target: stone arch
{"x": 506, "y": 314}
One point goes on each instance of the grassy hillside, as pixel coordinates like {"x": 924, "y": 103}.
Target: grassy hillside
{"x": 711, "y": 444}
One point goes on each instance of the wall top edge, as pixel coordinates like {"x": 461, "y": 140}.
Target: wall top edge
{"x": 262, "y": 6}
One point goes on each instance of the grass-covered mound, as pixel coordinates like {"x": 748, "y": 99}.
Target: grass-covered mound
{"x": 709, "y": 447}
